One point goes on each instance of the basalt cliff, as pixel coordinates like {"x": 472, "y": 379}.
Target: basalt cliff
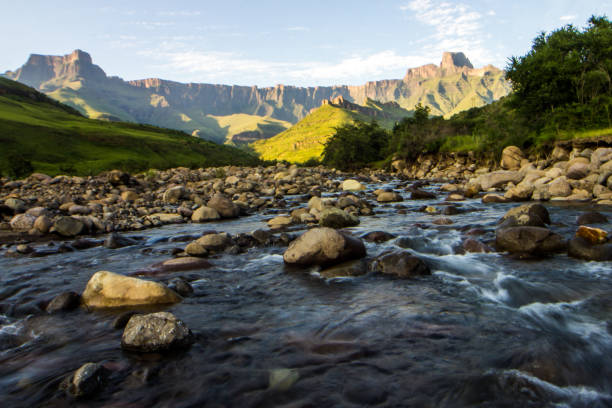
{"x": 231, "y": 113}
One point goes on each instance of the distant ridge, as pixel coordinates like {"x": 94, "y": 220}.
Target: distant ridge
{"x": 206, "y": 109}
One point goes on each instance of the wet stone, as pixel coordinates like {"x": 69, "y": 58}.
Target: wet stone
{"x": 64, "y": 302}
{"x": 156, "y": 332}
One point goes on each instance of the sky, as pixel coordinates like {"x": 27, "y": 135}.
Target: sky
{"x": 269, "y": 42}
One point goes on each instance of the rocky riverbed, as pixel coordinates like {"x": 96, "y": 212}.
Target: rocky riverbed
{"x": 286, "y": 286}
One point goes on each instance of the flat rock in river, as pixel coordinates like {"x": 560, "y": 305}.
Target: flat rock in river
{"x": 108, "y": 289}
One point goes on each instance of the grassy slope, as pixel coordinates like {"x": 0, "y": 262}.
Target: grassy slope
{"x": 305, "y": 140}
{"x": 56, "y": 138}
{"x": 242, "y": 122}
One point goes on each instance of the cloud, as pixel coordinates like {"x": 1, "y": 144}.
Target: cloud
{"x": 567, "y": 18}
{"x": 224, "y": 67}
{"x": 298, "y": 28}
{"x": 456, "y": 27}
{"x": 180, "y": 13}
{"x": 152, "y": 24}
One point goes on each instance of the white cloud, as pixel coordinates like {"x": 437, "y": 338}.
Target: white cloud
{"x": 456, "y": 27}
{"x": 222, "y": 67}
{"x": 491, "y": 13}
{"x": 180, "y": 13}
{"x": 298, "y": 28}
{"x": 567, "y": 18}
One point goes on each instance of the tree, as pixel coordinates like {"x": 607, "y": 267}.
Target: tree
{"x": 355, "y": 145}
{"x": 566, "y": 68}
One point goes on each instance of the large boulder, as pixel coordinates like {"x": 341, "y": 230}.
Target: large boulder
{"x": 337, "y": 218}
{"x": 22, "y": 222}
{"x": 535, "y": 215}
{"x": 388, "y": 197}
{"x": 204, "y": 214}
{"x": 592, "y": 235}
{"x": 224, "y": 206}
{"x": 511, "y": 158}
{"x": 529, "y": 240}
{"x": 155, "y": 332}
{"x": 559, "y": 187}
{"x": 323, "y": 246}
{"x": 578, "y": 171}
{"x": 591, "y": 217}
{"x": 352, "y": 185}
{"x": 68, "y": 226}
{"x": 499, "y": 178}
{"x": 582, "y": 248}
{"x": 401, "y": 264}
{"x": 173, "y": 194}
{"x": 108, "y": 289}
{"x": 214, "y": 241}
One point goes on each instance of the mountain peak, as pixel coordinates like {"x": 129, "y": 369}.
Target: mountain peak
{"x": 452, "y": 62}
{"x": 455, "y": 60}
{"x": 60, "y": 68}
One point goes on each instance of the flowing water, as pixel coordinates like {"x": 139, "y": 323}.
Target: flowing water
{"x": 483, "y": 330}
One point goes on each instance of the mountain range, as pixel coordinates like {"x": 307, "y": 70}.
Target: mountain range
{"x": 243, "y": 114}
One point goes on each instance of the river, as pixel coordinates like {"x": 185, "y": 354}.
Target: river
{"x": 484, "y": 329}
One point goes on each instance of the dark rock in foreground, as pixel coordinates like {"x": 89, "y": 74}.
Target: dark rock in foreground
{"x": 156, "y": 332}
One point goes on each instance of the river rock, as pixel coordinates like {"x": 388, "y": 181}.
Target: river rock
{"x": 494, "y": 198}
{"x": 43, "y": 224}
{"x": 323, "y": 246}
{"x": 577, "y": 171}
{"x": 521, "y": 192}
{"x": 352, "y": 185}
{"x": 512, "y": 157}
{"x": 559, "y": 154}
{"x": 85, "y": 381}
{"x": 535, "y": 215}
{"x": 215, "y": 242}
{"x": 167, "y": 218}
{"x": 378, "y": 236}
{"x": 592, "y": 235}
{"x": 204, "y": 214}
{"x": 224, "y": 206}
{"x": 529, "y": 240}
{"x": 417, "y": 194}
{"x": 581, "y": 248}
{"x": 79, "y": 210}
{"x": 592, "y": 217}
{"x": 115, "y": 241}
{"x": 129, "y": 195}
{"x": 186, "y": 263}
{"x": 337, "y": 218}
{"x": 15, "y": 204}
{"x": 22, "y": 222}
{"x": 388, "y": 197}
{"x": 401, "y": 264}
{"x": 499, "y": 178}
{"x": 63, "y": 302}
{"x": 68, "y": 226}
{"x": 559, "y": 187}
{"x": 173, "y": 194}
{"x": 346, "y": 269}
{"x": 108, "y": 289}
{"x": 280, "y": 222}
{"x": 475, "y": 246}
{"x": 155, "y": 332}
{"x": 195, "y": 249}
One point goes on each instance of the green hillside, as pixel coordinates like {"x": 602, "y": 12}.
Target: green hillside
{"x": 57, "y": 139}
{"x": 305, "y": 140}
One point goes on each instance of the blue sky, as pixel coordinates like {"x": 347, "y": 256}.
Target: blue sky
{"x": 266, "y": 42}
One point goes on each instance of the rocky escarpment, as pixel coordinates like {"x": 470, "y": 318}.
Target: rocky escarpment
{"x": 74, "y": 79}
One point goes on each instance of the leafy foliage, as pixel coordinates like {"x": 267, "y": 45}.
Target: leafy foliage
{"x": 355, "y": 145}
{"x": 565, "y": 80}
